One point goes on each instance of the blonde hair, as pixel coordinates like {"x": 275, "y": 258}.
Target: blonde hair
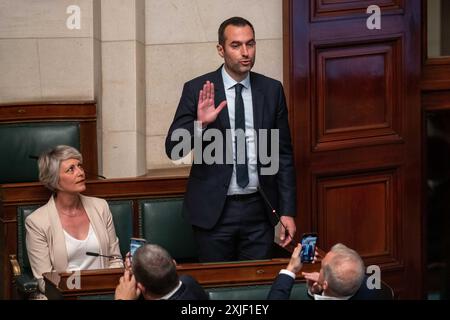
{"x": 50, "y": 161}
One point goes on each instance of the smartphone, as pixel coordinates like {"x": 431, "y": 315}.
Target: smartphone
{"x": 135, "y": 243}
{"x": 309, "y": 241}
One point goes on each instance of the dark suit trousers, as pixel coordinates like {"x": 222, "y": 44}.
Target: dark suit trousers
{"x": 242, "y": 233}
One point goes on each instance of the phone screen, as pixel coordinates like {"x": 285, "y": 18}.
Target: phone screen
{"x": 308, "y": 248}
{"x": 135, "y": 243}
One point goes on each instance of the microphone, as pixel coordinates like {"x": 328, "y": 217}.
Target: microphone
{"x": 266, "y": 200}
{"x": 95, "y": 254}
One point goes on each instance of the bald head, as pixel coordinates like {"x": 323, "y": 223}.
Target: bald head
{"x": 343, "y": 271}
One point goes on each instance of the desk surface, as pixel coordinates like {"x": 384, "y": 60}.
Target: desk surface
{"x": 70, "y": 285}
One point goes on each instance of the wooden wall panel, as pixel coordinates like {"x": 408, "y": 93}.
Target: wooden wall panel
{"x": 336, "y": 9}
{"x": 438, "y": 100}
{"x": 361, "y": 211}
{"x": 354, "y": 111}
{"x": 371, "y": 74}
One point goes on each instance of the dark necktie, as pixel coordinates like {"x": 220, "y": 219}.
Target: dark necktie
{"x": 239, "y": 114}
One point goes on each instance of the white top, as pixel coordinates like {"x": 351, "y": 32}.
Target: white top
{"x": 76, "y": 251}
{"x": 230, "y": 94}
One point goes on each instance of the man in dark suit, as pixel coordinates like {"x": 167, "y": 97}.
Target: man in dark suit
{"x": 341, "y": 277}
{"x": 154, "y": 276}
{"x": 230, "y": 219}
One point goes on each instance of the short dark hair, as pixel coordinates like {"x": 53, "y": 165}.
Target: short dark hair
{"x": 154, "y": 268}
{"x": 234, "y": 21}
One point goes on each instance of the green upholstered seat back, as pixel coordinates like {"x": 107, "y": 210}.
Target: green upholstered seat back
{"x": 162, "y": 222}
{"x": 239, "y": 293}
{"x": 20, "y": 141}
{"x": 299, "y": 292}
{"x": 22, "y": 256}
{"x": 256, "y": 292}
{"x": 122, "y": 212}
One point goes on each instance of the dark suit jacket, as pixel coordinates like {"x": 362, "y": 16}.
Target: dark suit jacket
{"x": 208, "y": 184}
{"x": 282, "y": 286}
{"x": 189, "y": 290}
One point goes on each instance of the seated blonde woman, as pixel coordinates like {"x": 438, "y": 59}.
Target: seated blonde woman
{"x": 61, "y": 232}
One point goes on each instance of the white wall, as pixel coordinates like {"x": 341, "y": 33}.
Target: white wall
{"x": 131, "y": 56}
{"x": 40, "y": 58}
{"x": 181, "y": 38}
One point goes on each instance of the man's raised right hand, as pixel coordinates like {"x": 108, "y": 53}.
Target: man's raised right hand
{"x": 206, "y": 110}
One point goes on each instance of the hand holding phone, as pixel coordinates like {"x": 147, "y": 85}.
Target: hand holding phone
{"x": 309, "y": 241}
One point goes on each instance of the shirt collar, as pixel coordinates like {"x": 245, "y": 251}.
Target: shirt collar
{"x": 229, "y": 82}
{"x": 323, "y": 297}
{"x": 171, "y": 293}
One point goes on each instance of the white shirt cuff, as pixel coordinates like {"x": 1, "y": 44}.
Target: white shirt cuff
{"x": 288, "y": 273}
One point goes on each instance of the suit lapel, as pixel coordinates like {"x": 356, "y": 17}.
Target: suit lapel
{"x": 219, "y": 96}
{"x": 257, "y": 97}
{"x": 58, "y": 242}
{"x": 258, "y": 103}
{"x": 97, "y": 226}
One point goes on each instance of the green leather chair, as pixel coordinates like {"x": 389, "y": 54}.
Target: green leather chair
{"x": 161, "y": 222}
{"x": 19, "y": 143}
{"x": 256, "y": 292}
{"x": 26, "y": 284}
{"x": 122, "y": 212}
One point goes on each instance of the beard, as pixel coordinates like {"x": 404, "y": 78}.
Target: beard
{"x": 239, "y": 69}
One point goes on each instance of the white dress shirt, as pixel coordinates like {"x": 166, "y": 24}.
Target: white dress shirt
{"x": 230, "y": 94}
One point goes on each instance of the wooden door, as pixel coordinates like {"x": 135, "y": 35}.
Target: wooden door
{"x": 354, "y": 106}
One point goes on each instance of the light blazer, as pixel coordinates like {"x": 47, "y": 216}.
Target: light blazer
{"x": 208, "y": 184}
{"x": 46, "y": 243}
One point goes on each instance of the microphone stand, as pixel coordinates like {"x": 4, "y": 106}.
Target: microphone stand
{"x": 266, "y": 200}
{"x": 95, "y": 254}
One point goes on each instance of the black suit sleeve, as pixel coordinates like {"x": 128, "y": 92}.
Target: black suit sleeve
{"x": 184, "y": 118}
{"x": 281, "y": 287}
{"x": 193, "y": 290}
{"x": 286, "y": 174}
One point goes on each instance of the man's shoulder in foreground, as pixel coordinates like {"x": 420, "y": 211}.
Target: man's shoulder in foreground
{"x": 254, "y": 76}
{"x": 190, "y": 290}
{"x": 207, "y": 76}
